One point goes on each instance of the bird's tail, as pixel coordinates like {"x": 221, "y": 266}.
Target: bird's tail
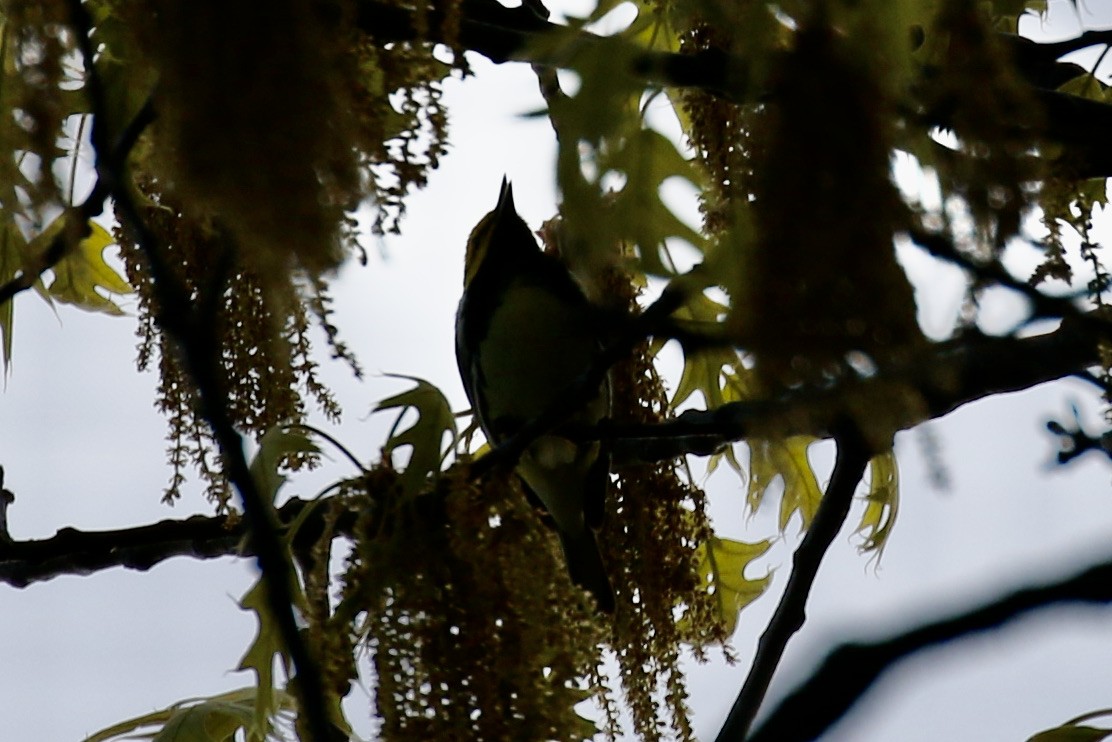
{"x": 586, "y": 568}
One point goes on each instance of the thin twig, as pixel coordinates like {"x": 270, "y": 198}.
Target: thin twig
{"x": 852, "y": 458}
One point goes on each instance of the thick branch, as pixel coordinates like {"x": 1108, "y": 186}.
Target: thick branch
{"x": 849, "y": 467}
{"x": 849, "y": 671}
{"x": 937, "y": 380}
{"x": 1037, "y": 61}
{"x": 954, "y": 374}
{"x": 512, "y": 34}
{"x": 74, "y": 552}
{"x": 504, "y": 34}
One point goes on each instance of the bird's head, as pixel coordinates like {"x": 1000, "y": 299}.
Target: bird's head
{"x": 497, "y": 236}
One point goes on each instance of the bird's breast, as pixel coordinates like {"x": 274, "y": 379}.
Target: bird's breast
{"x": 537, "y": 344}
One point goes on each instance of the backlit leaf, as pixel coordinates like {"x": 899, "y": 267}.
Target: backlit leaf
{"x": 12, "y": 248}
{"x": 429, "y": 438}
{"x": 275, "y": 447}
{"x": 216, "y": 718}
{"x": 786, "y": 459}
{"x": 882, "y": 503}
{"x": 79, "y": 274}
{"x": 647, "y": 158}
{"x": 259, "y": 657}
{"x": 722, "y": 571}
{"x": 1072, "y": 734}
{"x": 1075, "y": 730}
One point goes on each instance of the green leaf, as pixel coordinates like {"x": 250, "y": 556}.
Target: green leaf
{"x": 16, "y": 257}
{"x": 882, "y": 503}
{"x": 79, "y": 274}
{"x": 603, "y": 7}
{"x": 1006, "y": 13}
{"x": 722, "y": 571}
{"x": 1071, "y": 733}
{"x": 76, "y": 277}
{"x": 1086, "y": 86}
{"x": 194, "y": 720}
{"x": 647, "y": 158}
{"x": 710, "y": 372}
{"x": 12, "y": 247}
{"x": 729, "y": 454}
{"x": 718, "y": 376}
{"x": 275, "y": 447}
{"x": 602, "y": 135}
{"x": 259, "y": 657}
{"x": 702, "y": 373}
{"x": 786, "y": 459}
{"x": 267, "y": 700}
{"x": 126, "y": 80}
{"x": 429, "y": 438}
{"x": 207, "y": 722}
{"x": 1074, "y": 731}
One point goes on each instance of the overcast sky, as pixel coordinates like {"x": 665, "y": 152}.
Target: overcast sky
{"x": 83, "y": 447}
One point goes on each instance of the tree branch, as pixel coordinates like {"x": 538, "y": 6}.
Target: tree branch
{"x": 1074, "y": 441}
{"x": 937, "y": 380}
{"x": 201, "y": 356}
{"x": 512, "y": 34}
{"x": 852, "y": 458}
{"x": 75, "y": 552}
{"x": 851, "y": 669}
{"x": 1037, "y": 61}
{"x": 504, "y": 34}
{"x": 974, "y": 369}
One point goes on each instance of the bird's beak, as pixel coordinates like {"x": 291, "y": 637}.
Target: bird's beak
{"x": 505, "y": 199}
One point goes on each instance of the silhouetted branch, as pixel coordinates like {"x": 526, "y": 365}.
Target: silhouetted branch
{"x": 1038, "y": 63}
{"x": 200, "y": 353}
{"x": 512, "y": 34}
{"x": 1043, "y": 305}
{"x": 75, "y": 552}
{"x": 851, "y": 669}
{"x": 72, "y": 552}
{"x": 504, "y": 34}
{"x": 929, "y": 384}
{"x": 849, "y": 467}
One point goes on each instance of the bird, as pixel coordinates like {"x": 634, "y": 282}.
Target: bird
{"x": 525, "y": 332}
